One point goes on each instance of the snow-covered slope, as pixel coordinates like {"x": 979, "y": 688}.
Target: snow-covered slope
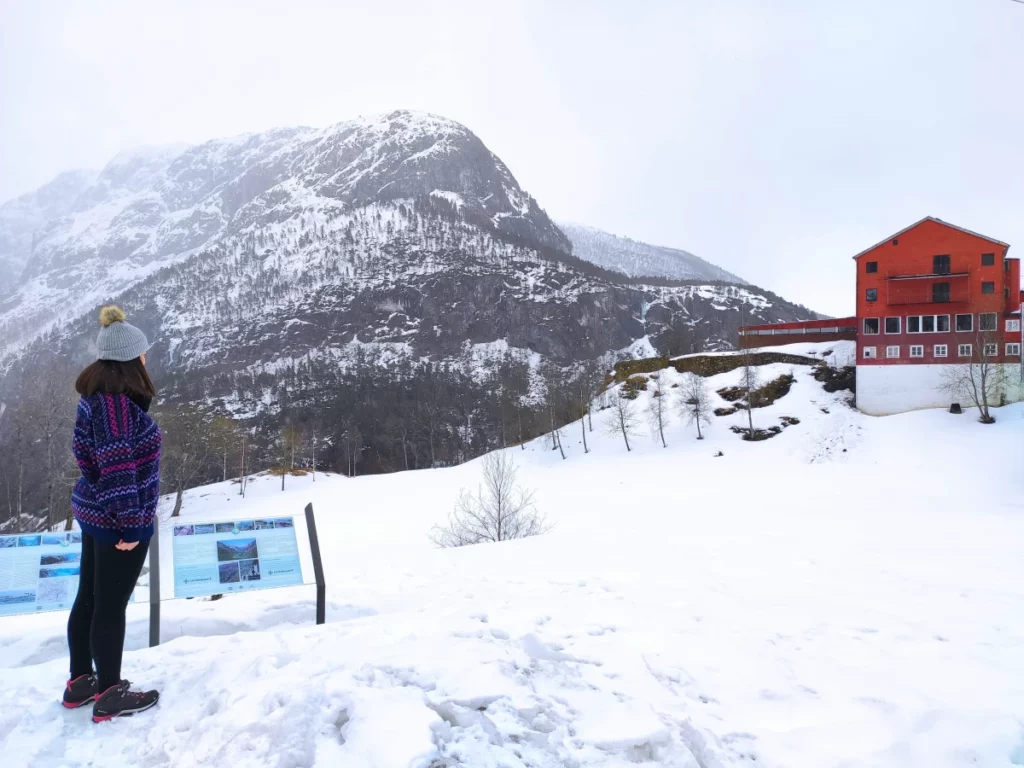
{"x": 635, "y": 259}
{"x": 822, "y": 599}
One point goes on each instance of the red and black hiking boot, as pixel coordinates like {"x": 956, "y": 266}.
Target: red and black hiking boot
{"x": 120, "y": 701}
{"x": 80, "y": 691}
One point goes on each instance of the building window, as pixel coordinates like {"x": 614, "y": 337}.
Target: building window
{"x": 892, "y": 351}
{"x": 988, "y": 259}
{"x": 871, "y": 294}
{"x": 964, "y": 350}
{"x": 987, "y": 321}
{"x": 988, "y": 287}
{"x": 964, "y": 323}
{"x": 917, "y": 350}
{"x": 892, "y": 325}
{"x": 870, "y": 326}
{"x": 1013, "y": 325}
{"x": 990, "y": 350}
{"x": 940, "y": 293}
{"x": 1013, "y": 349}
{"x": 940, "y": 265}
{"x": 871, "y": 267}
{"x": 940, "y": 350}
{"x": 870, "y": 353}
{"x": 928, "y": 324}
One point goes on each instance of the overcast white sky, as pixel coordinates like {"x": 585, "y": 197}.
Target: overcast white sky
{"x": 776, "y": 138}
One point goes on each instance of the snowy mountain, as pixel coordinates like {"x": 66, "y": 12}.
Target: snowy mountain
{"x": 635, "y": 259}
{"x": 22, "y": 217}
{"x": 402, "y": 234}
{"x": 712, "y": 604}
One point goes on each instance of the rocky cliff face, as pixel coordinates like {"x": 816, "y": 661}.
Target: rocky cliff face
{"x": 402, "y": 233}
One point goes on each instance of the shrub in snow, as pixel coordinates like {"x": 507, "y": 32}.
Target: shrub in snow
{"x": 500, "y": 509}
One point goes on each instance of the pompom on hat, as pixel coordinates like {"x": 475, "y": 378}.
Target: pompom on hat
{"x": 118, "y": 339}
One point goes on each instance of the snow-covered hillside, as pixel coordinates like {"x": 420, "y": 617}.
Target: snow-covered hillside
{"x": 402, "y": 232}
{"x": 824, "y": 598}
{"x": 635, "y": 259}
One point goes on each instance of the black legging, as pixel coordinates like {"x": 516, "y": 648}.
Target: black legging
{"x": 96, "y": 625}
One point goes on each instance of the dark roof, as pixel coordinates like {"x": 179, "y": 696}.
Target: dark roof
{"x": 938, "y": 221}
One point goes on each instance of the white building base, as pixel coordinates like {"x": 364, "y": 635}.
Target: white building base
{"x": 887, "y": 389}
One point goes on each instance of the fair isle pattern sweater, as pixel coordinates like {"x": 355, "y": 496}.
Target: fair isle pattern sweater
{"x": 117, "y": 447}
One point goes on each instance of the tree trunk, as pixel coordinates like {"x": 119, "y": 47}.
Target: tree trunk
{"x": 177, "y": 501}
{"x": 583, "y": 431}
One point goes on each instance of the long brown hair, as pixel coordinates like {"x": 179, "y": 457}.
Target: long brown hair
{"x": 111, "y": 377}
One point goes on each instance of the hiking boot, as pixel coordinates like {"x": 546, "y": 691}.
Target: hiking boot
{"x": 120, "y": 701}
{"x": 80, "y": 691}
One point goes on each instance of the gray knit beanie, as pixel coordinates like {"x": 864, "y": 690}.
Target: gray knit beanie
{"x": 118, "y": 340}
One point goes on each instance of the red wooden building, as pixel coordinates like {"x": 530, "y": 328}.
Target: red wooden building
{"x": 936, "y": 293}
{"x": 930, "y": 296}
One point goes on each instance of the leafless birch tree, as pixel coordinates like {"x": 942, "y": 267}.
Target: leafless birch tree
{"x": 695, "y": 401}
{"x": 658, "y": 414}
{"x": 622, "y": 418}
{"x": 979, "y": 381}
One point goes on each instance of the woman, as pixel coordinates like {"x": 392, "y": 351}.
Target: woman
{"x": 117, "y": 446}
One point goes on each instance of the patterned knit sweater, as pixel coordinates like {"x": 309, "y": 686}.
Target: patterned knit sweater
{"x": 117, "y": 446}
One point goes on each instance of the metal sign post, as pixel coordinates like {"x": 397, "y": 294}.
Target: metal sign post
{"x": 318, "y": 567}
{"x": 154, "y": 589}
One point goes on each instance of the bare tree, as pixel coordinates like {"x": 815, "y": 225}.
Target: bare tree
{"x": 555, "y": 403}
{"x": 500, "y": 510}
{"x": 695, "y": 401}
{"x": 223, "y": 436}
{"x": 186, "y": 449}
{"x": 622, "y": 418}
{"x": 979, "y": 381}
{"x": 242, "y": 477}
{"x": 750, "y": 381}
{"x": 290, "y": 441}
{"x": 657, "y": 410}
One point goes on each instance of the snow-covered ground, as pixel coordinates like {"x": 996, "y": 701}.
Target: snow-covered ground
{"x": 849, "y": 593}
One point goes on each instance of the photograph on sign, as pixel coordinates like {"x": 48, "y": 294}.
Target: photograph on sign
{"x": 218, "y": 558}
{"x": 39, "y": 572}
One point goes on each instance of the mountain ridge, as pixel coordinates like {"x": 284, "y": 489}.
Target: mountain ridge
{"x": 638, "y": 259}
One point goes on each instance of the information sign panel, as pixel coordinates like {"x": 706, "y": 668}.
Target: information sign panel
{"x": 39, "y": 571}
{"x": 234, "y": 556}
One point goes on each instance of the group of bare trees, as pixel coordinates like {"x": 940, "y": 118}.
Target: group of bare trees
{"x": 693, "y": 403}
{"x": 37, "y": 468}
